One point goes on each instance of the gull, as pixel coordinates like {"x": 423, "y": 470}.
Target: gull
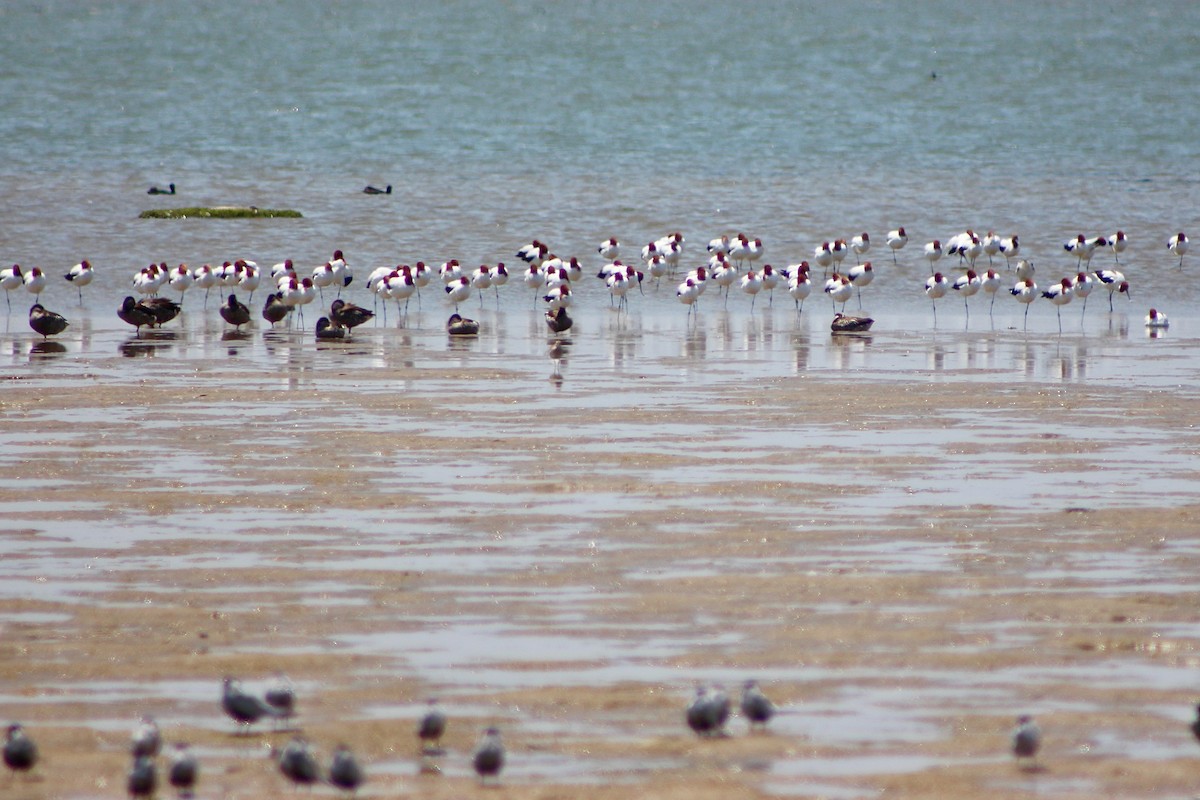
{"x": 185, "y": 770}
{"x": 143, "y": 777}
{"x": 344, "y": 771}
{"x": 281, "y": 695}
{"x": 243, "y": 707}
{"x": 489, "y": 755}
{"x": 146, "y": 740}
{"x": 432, "y": 724}
{"x": 756, "y": 706}
{"x": 1026, "y": 740}
{"x": 20, "y": 752}
{"x": 298, "y": 764}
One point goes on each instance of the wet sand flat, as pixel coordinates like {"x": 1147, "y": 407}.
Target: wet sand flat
{"x": 905, "y": 554}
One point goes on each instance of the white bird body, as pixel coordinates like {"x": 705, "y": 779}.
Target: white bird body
{"x": 609, "y": 249}
{"x": 896, "y": 240}
{"x": 1178, "y": 244}
{"x": 861, "y": 244}
{"x": 933, "y": 252}
{"x": 1157, "y": 319}
{"x": 936, "y": 286}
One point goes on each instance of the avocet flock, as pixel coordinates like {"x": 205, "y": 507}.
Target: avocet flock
{"x": 728, "y": 262}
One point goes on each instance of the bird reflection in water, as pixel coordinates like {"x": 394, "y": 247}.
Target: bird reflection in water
{"x": 800, "y": 346}
{"x": 695, "y": 344}
{"x": 148, "y": 344}
{"x": 558, "y": 351}
{"x": 46, "y": 348}
{"x": 844, "y": 346}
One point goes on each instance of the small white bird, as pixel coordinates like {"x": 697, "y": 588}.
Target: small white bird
{"x": 896, "y": 240}
{"x": 751, "y": 284}
{"x": 11, "y": 278}
{"x": 458, "y": 291}
{"x": 933, "y": 252}
{"x": 719, "y": 245}
{"x": 81, "y": 275}
{"x": 35, "y": 281}
{"x": 1060, "y": 294}
{"x": 799, "y": 286}
{"x": 609, "y": 249}
{"x": 1026, "y": 291}
{"x": 860, "y": 245}
{"x": 1157, "y": 319}
{"x": 823, "y": 256}
{"x": 1178, "y": 244}
{"x": 936, "y": 287}
{"x": 968, "y": 285}
{"x": 1118, "y": 242}
{"x": 1115, "y": 282}
{"x": 839, "y": 289}
{"x": 1009, "y": 247}
{"x": 990, "y": 284}
{"x": 861, "y": 275}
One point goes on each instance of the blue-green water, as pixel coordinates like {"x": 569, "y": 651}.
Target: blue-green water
{"x": 501, "y": 122}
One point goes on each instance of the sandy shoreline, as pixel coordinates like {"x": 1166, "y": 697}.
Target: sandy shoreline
{"x": 569, "y": 571}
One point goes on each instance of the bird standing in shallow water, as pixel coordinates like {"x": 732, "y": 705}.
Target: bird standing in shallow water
{"x": 558, "y": 321}
{"x": 47, "y": 323}
{"x": 1157, "y": 319}
{"x": 80, "y": 276}
{"x": 275, "y": 309}
{"x": 1177, "y": 244}
{"x": 234, "y": 312}
{"x": 349, "y": 315}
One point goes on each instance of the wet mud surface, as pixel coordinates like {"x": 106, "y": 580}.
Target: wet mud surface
{"x": 907, "y": 540}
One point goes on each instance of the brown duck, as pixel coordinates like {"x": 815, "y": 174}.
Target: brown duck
{"x": 47, "y": 323}
{"x": 235, "y": 313}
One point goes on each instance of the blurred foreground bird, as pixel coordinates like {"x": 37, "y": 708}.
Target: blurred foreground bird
{"x": 243, "y": 707}
{"x": 298, "y": 763}
{"x": 146, "y": 740}
{"x": 185, "y": 770}
{"x": 281, "y": 696}
{"x": 756, "y": 706}
{"x": 20, "y": 752}
{"x": 143, "y": 777}
{"x": 431, "y": 728}
{"x": 344, "y": 771}
{"x": 1026, "y": 739}
{"x": 489, "y": 755}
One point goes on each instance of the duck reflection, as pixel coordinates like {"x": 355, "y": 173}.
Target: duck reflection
{"x": 46, "y": 348}
{"x": 148, "y": 344}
